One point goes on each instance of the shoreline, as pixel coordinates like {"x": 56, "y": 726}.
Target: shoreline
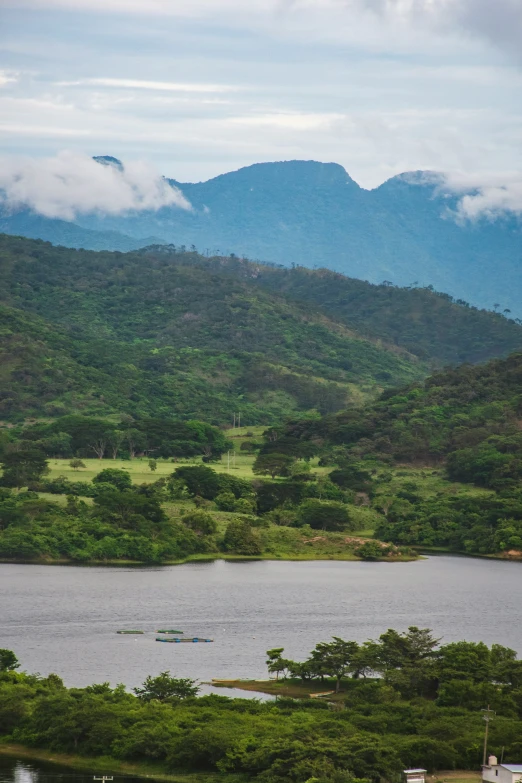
{"x": 105, "y": 764}
{"x": 348, "y": 558}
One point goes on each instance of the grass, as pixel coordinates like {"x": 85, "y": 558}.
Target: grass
{"x": 294, "y": 689}
{"x": 428, "y": 482}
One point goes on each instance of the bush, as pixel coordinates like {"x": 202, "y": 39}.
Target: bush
{"x": 225, "y": 501}
{"x": 325, "y": 515}
{"x": 240, "y": 539}
{"x": 370, "y": 550}
{"x": 200, "y": 522}
{"x": 120, "y": 479}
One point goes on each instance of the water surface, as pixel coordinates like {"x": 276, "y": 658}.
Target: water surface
{"x": 64, "y": 619}
{"x": 13, "y": 770}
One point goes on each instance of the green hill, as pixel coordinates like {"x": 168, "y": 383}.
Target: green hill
{"x": 170, "y": 333}
{"x": 415, "y": 450}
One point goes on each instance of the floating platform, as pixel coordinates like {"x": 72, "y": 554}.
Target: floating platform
{"x": 180, "y": 641}
{"x": 169, "y": 631}
{"x": 138, "y": 632}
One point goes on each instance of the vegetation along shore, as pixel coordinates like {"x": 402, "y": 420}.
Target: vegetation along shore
{"x": 401, "y": 701}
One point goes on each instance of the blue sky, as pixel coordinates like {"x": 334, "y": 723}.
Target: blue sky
{"x": 202, "y": 87}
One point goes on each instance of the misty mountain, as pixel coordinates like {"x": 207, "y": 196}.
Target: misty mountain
{"x": 313, "y": 214}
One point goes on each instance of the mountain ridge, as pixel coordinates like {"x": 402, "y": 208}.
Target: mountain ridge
{"x": 315, "y": 215}
{"x": 171, "y": 332}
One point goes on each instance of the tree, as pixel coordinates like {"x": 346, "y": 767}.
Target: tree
{"x": 116, "y": 438}
{"x": 23, "y": 465}
{"x": 335, "y": 659}
{"x": 276, "y": 663}
{"x": 76, "y": 463}
{"x": 99, "y": 443}
{"x": 325, "y": 515}
{"x": 153, "y": 465}
{"x": 407, "y": 660}
{"x": 130, "y": 508}
{"x": 240, "y": 538}
{"x": 200, "y": 522}
{"x": 199, "y": 480}
{"x": 225, "y": 501}
{"x": 273, "y": 464}
{"x": 135, "y": 441}
{"x": 8, "y": 661}
{"x": 121, "y": 479}
{"x": 165, "y": 688}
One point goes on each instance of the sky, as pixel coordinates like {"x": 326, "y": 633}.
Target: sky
{"x": 195, "y": 88}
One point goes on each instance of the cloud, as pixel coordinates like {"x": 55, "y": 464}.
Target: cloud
{"x": 7, "y": 77}
{"x": 140, "y": 84}
{"x": 71, "y": 183}
{"x": 498, "y": 21}
{"x": 486, "y": 196}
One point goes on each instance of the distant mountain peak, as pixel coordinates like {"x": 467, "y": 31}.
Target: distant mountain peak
{"x": 108, "y": 160}
{"x": 310, "y": 172}
{"x": 419, "y": 178}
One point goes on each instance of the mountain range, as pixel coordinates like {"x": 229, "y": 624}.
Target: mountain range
{"x": 165, "y": 332}
{"x": 313, "y": 214}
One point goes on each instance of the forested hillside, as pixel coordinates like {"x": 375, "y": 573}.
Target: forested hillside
{"x": 168, "y": 332}
{"x": 465, "y": 421}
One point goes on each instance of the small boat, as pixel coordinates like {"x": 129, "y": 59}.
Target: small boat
{"x": 140, "y": 632}
{"x": 169, "y": 631}
{"x": 180, "y": 641}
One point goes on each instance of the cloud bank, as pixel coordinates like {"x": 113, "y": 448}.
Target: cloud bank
{"x": 499, "y": 21}
{"x": 487, "y": 197}
{"x": 72, "y": 183}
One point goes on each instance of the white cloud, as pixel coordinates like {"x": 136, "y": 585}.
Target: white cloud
{"x": 7, "y": 77}
{"x": 486, "y": 195}
{"x": 286, "y": 120}
{"x": 140, "y": 84}
{"x": 72, "y": 183}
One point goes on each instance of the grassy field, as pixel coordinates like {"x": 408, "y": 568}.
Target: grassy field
{"x": 425, "y": 482}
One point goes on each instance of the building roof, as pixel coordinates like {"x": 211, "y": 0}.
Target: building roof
{"x": 407, "y": 771}
{"x": 512, "y": 767}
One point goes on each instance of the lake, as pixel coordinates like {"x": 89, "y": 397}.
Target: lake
{"x": 13, "y": 770}
{"x": 64, "y": 619}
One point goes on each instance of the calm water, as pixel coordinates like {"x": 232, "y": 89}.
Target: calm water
{"x": 16, "y": 771}
{"x": 64, "y": 619}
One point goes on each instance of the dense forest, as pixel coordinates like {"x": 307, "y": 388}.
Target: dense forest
{"x": 164, "y": 332}
{"x": 401, "y": 701}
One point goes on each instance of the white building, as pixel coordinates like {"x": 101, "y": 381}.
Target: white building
{"x": 415, "y": 775}
{"x": 494, "y": 772}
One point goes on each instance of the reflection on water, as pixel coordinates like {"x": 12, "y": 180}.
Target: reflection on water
{"x": 64, "y": 619}
{"x": 13, "y": 770}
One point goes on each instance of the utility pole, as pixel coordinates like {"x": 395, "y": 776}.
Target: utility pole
{"x": 228, "y": 460}
{"x": 488, "y": 714}
{"x": 239, "y": 418}
{"x": 234, "y": 424}
{"x": 104, "y": 778}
